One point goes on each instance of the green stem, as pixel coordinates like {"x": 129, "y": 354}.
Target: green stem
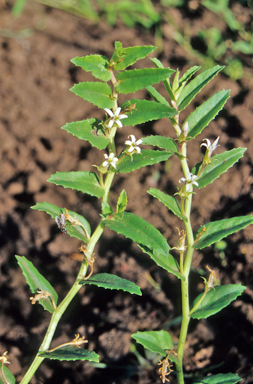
{"x": 53, "y": 324}
{"x": 71, "y": 294}
{"x": 186, "y": 271}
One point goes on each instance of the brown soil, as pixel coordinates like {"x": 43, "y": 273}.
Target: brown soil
{"x": 36, "y": 74}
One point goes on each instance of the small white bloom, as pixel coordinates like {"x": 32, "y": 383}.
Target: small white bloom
{"x": 189, "y": 181}
{"x": 115, "y": 118}
{"x": 210, "y": 147}
{"x": 110, "y": 160}
{"x": 133, "y": 144}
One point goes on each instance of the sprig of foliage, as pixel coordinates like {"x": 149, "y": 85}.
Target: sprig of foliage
{"x": 101, "y": 134}
{"x": 214, "y": 298}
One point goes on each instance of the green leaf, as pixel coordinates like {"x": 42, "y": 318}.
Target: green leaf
{"x": 118, "y": 54}
{"x": 96, "y": 93}
{"x": 70, "y": 352}
{"x": 132, "y": 81}
{"x": 108, "y": 281}
{"x": 146, "y": 110}
{"x": 212, "y": 232}
{"x": 146, "y": 157}
{"x": 155, "y": 341}
{"x": 132, "y": 54}
{"x": 187, "y": 75}
{"x": 86, "y": 182}
{"x": 166, "y": 82}
{"x": 169, "y": 201}
{"x": 122, "y": 202}
{"x": 195, "y": 86}
{"x": 81, "y": 232}
{"x": 147, "y": 237}
{"x": 89, "y": 130}
{"x": 157, "y": 96}
{"x": 220, "y": 378}
{"x": 215, "y": 300}
{"x": 8, "y": 376}
{"x": 37, "y": 282}
{"x": 206, "y": 112}
{"x": 161, "y": 142}
{"x": 96, "y": 64}
{"x": 220, "y": 164}
{"x": 106, "y": 209}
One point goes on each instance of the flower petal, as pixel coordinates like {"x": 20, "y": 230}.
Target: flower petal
{"x": 110, "y": 124}
{"x": 109, "y": 112}
{"x": 119, "y": 124}
{"x": 123, "y": 117}
{"x": 111, "y": 156}
{"x": 117, "y": 111}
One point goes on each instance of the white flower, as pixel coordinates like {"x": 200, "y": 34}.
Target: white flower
{"x": 133, "y": 145}
{"x": 115, "y": 118}
{"x": 189, "y": 181}
{"x": 110, "y": 160}
{"x": 210, "y": 147}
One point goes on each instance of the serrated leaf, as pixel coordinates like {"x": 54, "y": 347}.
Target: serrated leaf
{"x": 37, "y": 282}
{"x": 157, "y": 96}
{"x": 49, "y": 208}
{"x": 79, "y": 231}
{"x": 206, "y": 112}
{"x": 146, "y": 157}
{"x": 147, "y": 237}
{"x": 89, "y": 130}
{"x": 96, "y": 93}
{"x": 169, "y": 201}
{"x": 195, "y": 86}
{"x": 70, "y": 353}
{"x": 220, "y": 164}
{"x": 86, "y": 182}
{"x": 118, "y": 54}
{"x": 220, "y": 378}
{"x": 132, "y": 54}
{"x": 212, "y": 232}
{"x": 161, "y": 142}
{"x": 132, "y": 81}
{"x": 146, "y": 110}
{"x": 122, "y": 202}
{"x": 8, "y": 376}
{"x": 215, "y": 300}
{"x": 187, "y": 75}
{"x": 155, "y": 341}
{"x": 106, "y": 209}
{"x": 96, "y": 64}
{"x": 108, "y": 281}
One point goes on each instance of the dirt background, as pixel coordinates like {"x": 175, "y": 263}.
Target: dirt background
{"x": 35, "y": 77}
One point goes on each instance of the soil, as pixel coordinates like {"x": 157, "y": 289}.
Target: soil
{"x": 35, "y": 78}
